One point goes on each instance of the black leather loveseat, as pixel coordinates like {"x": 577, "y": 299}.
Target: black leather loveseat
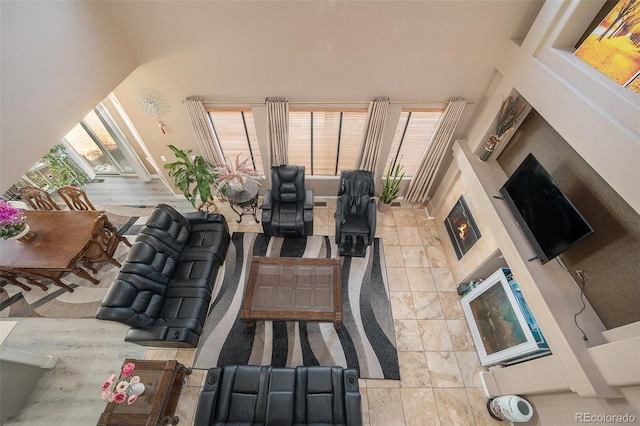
{"x": 163, "y": 289}
{"x": 250, "y": 395}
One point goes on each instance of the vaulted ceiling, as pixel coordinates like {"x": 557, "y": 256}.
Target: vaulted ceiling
{"x": 59, "y": 59}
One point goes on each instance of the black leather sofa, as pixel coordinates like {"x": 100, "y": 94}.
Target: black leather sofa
{"x": 164, "y": 287}
{"x": 264, "y": 395}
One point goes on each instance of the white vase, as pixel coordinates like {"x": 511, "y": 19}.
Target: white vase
{"x": 137, "y": 389}
{"x": 511, "y": 408}
{"x": 22, "y": 233}
{"x": 236, "y": 186}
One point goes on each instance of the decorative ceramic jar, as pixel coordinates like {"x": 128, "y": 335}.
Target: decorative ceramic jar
{"x": 511, "y": 408}
{"x": 489, "y": 147}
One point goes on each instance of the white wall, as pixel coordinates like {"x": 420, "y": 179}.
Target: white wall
{"x": 601, "y": 121}
{"x": 599, "y": 118}
{"x": 59, "y": 60}
{"x": 311, "y": 52}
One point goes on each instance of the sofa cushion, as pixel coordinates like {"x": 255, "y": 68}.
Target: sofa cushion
{"x": 240, "y": 388}
{"x": 148, "y": 257}
{"x": 282, "y": 385}
{"x": 133, "y": 302}
{"x": 184, "y": 303}
{"x": 209, "y": 237}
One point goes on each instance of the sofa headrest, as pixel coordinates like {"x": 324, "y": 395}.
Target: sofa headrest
{"x": 169, "y": 226}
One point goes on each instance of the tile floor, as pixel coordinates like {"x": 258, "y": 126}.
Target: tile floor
{"x": 438, "y": 361}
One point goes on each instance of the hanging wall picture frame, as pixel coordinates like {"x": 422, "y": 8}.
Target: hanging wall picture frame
{"x": 461, "y": 227}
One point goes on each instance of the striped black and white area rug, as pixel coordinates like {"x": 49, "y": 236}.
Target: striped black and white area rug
{"x": 365, "y": 341}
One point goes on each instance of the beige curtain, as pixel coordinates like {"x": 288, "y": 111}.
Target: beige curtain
{"x": 203, "y": 130}
{"x": 278, "y": 125}
{"x": 439, "y": 145}
{"x": 372, "y": 136}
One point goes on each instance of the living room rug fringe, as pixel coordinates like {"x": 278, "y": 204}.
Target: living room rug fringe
{"x": 365, "y": 341}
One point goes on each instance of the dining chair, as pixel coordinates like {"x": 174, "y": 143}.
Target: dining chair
{"x": 38, "y": 199}
{"x": 103, "y": 244}
{"x": 75, "y": 198}
{"x": 11, "y": 276}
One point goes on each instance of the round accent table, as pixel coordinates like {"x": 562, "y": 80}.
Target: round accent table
{"x": 246, "y": 201}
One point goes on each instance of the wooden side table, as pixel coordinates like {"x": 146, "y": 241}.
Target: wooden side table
{"x": 157, "y": 404}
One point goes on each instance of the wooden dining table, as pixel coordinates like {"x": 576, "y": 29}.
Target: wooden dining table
{"x": 58, "y": 241}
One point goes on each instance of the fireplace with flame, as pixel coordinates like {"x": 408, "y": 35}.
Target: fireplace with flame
{"x": 462, "y": 229}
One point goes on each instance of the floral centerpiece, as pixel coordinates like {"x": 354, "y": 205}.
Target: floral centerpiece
{"x": 235, "y": 176}
{"x": 510, "y": 113}
{"x": 124, "y": 388}
{"x": 12, "y": 220}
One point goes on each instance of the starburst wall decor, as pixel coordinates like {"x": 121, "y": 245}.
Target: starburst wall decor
{"x": 154, "y": 104}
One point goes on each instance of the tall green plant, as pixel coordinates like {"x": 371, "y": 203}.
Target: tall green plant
{"x": 192, "y": 177}
{"x": 391, "y": 184}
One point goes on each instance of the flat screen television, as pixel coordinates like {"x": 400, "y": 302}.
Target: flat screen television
{"x": 548, "y": 219}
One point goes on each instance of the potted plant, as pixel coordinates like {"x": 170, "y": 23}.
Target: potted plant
{"x": 391, "y": 187}
{"x": 12, "y": 221}
{"x": 234, "y": 177}
{"x": 193, "y": 177}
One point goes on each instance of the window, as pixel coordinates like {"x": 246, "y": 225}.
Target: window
{"x": 94, "y": 140}
{"x": 236, "y": 132}
{"x": 413, "y": 135}
{"x": 325, "y": 141}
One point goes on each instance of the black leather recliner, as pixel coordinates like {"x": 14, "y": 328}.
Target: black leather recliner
{"x": 265, "y": 395}
{"x": 287, "y": 208}
{"x": 355, "y": 213}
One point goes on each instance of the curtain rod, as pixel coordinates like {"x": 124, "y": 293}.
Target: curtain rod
{"x": 329, "y": 103}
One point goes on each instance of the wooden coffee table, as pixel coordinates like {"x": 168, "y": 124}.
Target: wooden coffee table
{"x": 157, "y": 404}
{"x": 293, "y": 289}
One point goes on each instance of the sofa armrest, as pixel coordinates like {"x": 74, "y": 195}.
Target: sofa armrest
{"x": 209, "y": 398}
{"x": 266, "y": 210}
{"x": 266, "y": 200}
{"x": 371, "y": 218}
{"x": 352, "y": 398}
{"x": 204, "y": 217}
{"x": 308, "y": 199}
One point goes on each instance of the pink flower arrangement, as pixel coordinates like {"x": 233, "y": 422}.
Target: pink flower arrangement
{"x": 119, "y": 389}
{"x": 11, "y": 220}
{"x": 235, "y": 176}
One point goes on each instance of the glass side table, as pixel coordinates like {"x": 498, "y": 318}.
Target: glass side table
{"x": 246, "y": 201}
